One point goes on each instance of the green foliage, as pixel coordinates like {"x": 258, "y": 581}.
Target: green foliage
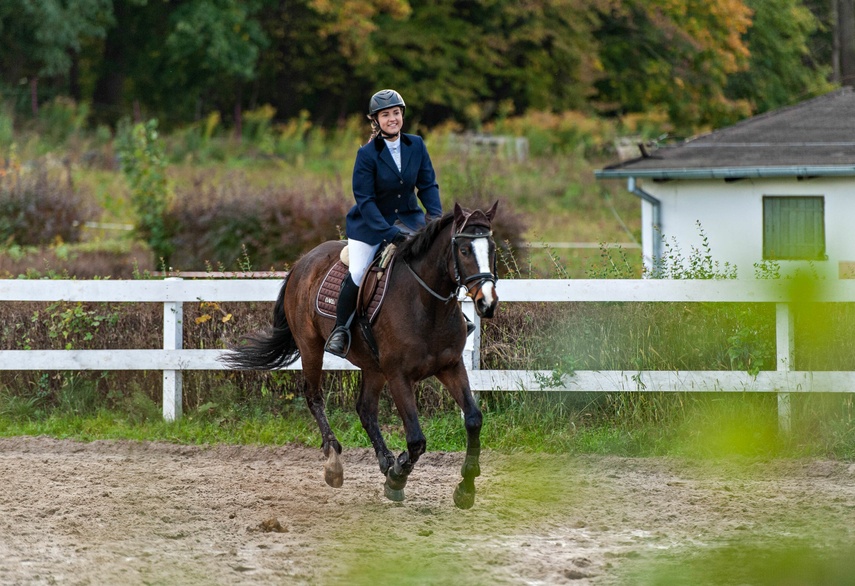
{"x": 60, "y": 119}
{"x": 534, "y": 55}
{"x": 46, "y": 34}
{"x": 7, "y": 126}
{"x": 73, "y": 324}
{"x": 698, "y": 265}
{"x": 144, "y": 165}
{"x": 779, "y": 40}
{"x": 675, "y": 56}
{"x": 468, "y": 63}
{"x": 686, "y": 425}
{"x": 212, "y": 44}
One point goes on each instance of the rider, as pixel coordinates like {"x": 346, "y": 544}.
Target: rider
{"x": 390, "y": 171}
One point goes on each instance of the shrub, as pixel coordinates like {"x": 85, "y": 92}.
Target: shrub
{"x": 60, "y": 119}
{"x": 144, "y": 165}
{"x": 232, "y": 224}
{"x": 37, "y": 208}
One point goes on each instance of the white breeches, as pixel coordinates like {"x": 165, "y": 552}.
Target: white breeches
{"x": 360, "y": 255}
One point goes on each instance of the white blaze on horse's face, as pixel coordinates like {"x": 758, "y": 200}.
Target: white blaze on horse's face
{"x": 481, "y": 249}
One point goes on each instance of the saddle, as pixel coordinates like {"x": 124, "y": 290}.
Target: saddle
{"x": 372, "y": 290}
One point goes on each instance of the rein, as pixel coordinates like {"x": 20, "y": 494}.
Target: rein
{"x": 482, "y": 278}
{"x": 427, "y": 288}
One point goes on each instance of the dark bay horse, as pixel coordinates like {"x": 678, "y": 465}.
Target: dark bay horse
{"x": 420, "y": 332}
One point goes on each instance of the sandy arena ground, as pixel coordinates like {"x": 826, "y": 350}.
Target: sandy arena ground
{"x": 118, "y": 512}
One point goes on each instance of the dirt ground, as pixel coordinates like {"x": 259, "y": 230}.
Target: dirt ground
{"x": 118, "y": 512}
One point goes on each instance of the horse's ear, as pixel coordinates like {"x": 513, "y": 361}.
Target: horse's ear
{"x": 492, "y": 211}
{"x": 459, "y": 214}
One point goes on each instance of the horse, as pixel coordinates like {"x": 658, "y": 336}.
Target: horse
{"x": 420, "y": 332}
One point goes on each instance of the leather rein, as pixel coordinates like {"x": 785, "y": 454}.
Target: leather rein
{"x": 481, "y": 278}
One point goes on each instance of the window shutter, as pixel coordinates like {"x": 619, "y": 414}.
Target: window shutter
{"x": 793, "y": 228}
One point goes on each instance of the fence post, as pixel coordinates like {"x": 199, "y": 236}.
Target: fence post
{"x": 173, "y": 335}
{"x": 784, "y": 353}
{"x": 472, "y": 349}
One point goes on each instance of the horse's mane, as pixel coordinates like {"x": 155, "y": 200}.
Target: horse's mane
{"x": 420, "y": 243}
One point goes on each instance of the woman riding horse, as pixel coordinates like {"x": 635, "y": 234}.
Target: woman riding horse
{"x": 419, "y": 333}
{"x": 386, "y": 174}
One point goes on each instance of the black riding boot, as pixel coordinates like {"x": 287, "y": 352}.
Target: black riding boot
{"x": 470, "y": 327}
{"x": 339, "y": 341}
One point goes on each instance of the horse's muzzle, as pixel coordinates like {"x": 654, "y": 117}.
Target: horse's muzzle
{"x": 486, "y": 300}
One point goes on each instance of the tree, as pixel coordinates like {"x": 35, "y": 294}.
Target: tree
{"x": 674, "y": 55}
{"x": 462, "y": 59}
{"x": 844, "y": 41}
{"x": 782, "y": 67}
{"x": 318, "y": 53}
{"x": 41, "y": 38}
{"x": 212, "y": 49}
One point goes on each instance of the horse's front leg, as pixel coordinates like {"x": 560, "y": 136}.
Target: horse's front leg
{"x": 405, "y": 402}
{"x": 367, "y": 408}
{"x": 456, "y": 381}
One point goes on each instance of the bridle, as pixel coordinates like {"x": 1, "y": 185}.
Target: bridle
{"x": 480, "y": 279}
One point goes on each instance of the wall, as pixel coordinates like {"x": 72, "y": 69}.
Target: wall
{"x": 731, "y": 215}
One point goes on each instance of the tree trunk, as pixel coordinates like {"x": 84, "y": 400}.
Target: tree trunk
{"x": 238, "y": 115}
{"x": 846, "y": 38}
{"x": 34, "y": 95}
{"x": 835, "y": 41}
{"x": 74, "y": 77}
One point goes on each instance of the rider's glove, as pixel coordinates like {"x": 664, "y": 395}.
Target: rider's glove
{"x": 399, "y": 238}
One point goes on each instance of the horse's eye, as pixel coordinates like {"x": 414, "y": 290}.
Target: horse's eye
{"x": 464, "y": 250}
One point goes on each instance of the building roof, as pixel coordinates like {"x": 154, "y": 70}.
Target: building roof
{"x": 813, "y": 138}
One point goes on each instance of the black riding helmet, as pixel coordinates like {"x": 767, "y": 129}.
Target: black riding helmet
{"x": 385, "y": 99}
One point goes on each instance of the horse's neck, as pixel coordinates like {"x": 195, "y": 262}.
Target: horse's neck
{"x": 432, "y": 267}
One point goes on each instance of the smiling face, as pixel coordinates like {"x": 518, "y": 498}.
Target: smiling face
{"x": 391, "y": 120}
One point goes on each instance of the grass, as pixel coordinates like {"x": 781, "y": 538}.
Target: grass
{"x": 705, "y": 426}
{"x": 792, "y": 560}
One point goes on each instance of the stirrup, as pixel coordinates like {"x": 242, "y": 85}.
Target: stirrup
{"x": 470, "y": 326}
{"x": 338, "y": 344}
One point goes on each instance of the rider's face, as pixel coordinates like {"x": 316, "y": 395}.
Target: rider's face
{"x": 391, "y": 120}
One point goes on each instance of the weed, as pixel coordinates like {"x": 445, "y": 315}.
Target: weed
{"x": 144, "y": 165}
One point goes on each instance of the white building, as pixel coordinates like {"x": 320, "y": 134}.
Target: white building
{"x": 778, "y": 187}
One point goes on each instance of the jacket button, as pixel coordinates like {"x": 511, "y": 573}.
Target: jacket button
{"x": 396, "y": 210}
{"x": 402, "y": 181}
{"x": 399, "y": 196}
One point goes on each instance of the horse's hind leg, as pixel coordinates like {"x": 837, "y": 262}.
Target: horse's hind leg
{"x": 456, "y": 381}
{"x": 312, "y": 372}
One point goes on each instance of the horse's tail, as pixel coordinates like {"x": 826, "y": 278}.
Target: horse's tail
{"x": 272, "y": 348}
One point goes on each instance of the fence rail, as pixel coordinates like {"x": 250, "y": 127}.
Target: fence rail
{"x": 173, "y": 359}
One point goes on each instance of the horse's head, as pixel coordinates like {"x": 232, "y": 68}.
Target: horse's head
{"x": 474, "y": 257}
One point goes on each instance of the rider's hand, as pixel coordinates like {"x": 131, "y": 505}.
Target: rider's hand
{"x": 399, "y": 238}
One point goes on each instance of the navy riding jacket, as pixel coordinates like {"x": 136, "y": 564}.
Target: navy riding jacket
{"x": 383, "y": 194}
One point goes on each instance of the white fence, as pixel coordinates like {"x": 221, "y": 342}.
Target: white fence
{"x": 173, "y": 359}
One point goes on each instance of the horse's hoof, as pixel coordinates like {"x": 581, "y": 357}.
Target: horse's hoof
{"x": 463, "y": 499}
{"x": 393, "y": 494}
{"x": 333, "y": 470}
